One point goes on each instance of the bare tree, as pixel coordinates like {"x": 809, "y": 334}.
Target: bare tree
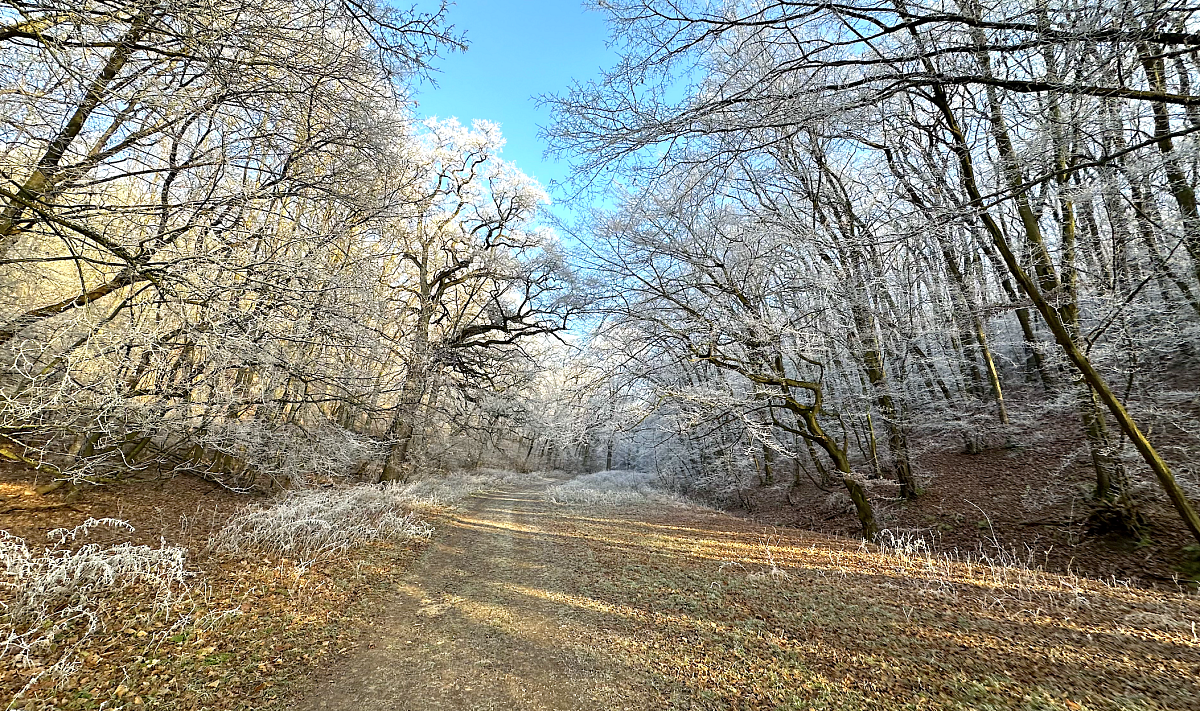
{"x": 1004, "y": 136}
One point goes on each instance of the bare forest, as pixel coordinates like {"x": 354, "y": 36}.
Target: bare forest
{"x": 876, "y": 303}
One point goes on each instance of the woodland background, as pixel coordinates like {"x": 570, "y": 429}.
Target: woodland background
{"x": 816, "y": 247}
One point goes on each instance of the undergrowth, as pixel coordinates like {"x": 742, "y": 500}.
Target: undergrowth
{"x": 310, "y": 525}
{"x": 999, "y": 579}
{"x": 615, "y": 488}
{"x": 55, "y": 599}
{"x": 447, "y": 490}
{"x": 64, "y": 603}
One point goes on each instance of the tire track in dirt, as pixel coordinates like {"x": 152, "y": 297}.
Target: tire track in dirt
{"x": 479, "y": 623}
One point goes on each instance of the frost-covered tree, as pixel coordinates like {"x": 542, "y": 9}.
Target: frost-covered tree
{"x": 473, "y": 276}
{"x": 229, "y": 248}
{"x": 1009, "y": 189}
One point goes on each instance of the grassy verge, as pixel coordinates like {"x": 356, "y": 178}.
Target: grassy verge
{"x": 729, "y": 615}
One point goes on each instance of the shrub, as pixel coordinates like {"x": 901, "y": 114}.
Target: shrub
{"x": 54, "y": 599}
{"x": 308, "y": 525}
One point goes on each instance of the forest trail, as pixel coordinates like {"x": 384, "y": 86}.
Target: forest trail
{"x": 524, "y": 603}
{"x": 479, "y": 623}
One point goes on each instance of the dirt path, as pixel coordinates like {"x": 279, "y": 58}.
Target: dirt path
{"x": 479, "y": 623}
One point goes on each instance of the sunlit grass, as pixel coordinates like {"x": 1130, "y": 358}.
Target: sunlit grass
{"x": 726, "y": 614}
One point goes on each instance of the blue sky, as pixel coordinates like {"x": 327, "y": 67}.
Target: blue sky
{"x": 518, "y": 50}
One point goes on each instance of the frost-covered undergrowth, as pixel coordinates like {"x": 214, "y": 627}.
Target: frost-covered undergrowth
{"x": 309, "y": 525}
{"x": 58, "y": 599}
{"x": 456, "y": 486}
{"x": 615, "y": 488}
{"x": 994, "y": 578}
{"x": 54, "y": 599}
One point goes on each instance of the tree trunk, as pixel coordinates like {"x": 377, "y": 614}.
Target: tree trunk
{"x": 1052, "y": 318}
{"x": 1177, "y": 180}
{"x": 858, "y": 494}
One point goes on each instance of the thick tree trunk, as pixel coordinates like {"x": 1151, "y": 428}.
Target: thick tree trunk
{"x": 403, "y": 428}
{"x": 397, "y": 456}
{"x": 768, "y": 465}
{"x": 1110, "y": 473}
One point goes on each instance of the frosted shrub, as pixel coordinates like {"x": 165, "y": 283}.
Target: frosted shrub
{"x": 613, "y": 488}
{"x": 54, "y": 599}
{"x": 315, "y": 524}
{"x": 456, "y": 486}
{"x": 288, "y": 455}
{"x": 308, "y": 525}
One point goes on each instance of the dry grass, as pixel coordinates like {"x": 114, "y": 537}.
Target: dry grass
{"x": 440, "y": 491}
{"x": 235, "y": 636}
{"x": 720, "y": 613}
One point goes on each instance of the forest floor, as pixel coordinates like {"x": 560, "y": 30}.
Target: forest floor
{"x": 1029, "y": 501}
{"x": 241, "y": 631}
{"x": 521, "y": 602}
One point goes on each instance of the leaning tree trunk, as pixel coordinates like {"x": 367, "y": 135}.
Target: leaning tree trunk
{"x": 858, "y": 494}
{"x": 1061, "y": 333}
{"x": 807, "y": 425}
